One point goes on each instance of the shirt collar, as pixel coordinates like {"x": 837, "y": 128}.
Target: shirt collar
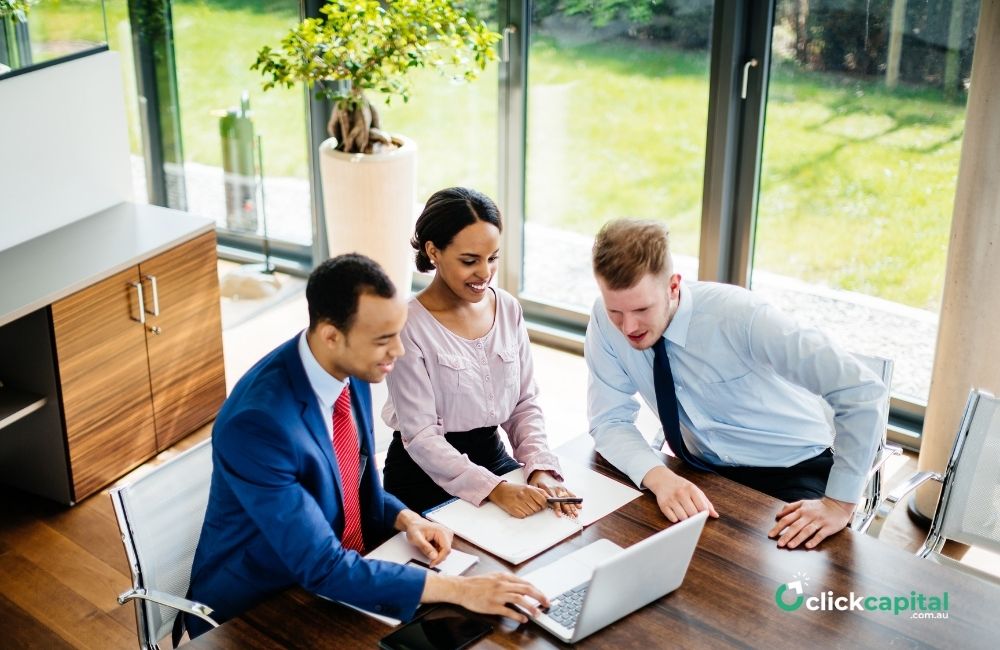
{"x": 677, "y": 331}
{"x": 327, "y": 387}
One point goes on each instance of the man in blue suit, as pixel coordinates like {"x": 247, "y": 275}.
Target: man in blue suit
{"x": 295, "y": 495}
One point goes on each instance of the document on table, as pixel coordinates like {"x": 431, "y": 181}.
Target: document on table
{"x": 397, "y": 549}
{"x": 516, "y": 540}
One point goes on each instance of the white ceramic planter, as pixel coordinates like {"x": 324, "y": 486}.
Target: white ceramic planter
{"x": 370, "y": 200}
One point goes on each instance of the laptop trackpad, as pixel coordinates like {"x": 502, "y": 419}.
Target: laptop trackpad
{"x": 573, "y": 569}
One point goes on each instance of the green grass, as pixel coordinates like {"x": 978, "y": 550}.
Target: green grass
{"x": 857, "y": 183}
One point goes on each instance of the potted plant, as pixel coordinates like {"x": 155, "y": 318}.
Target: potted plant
{"x": 357, "y": 46}
{"x": 15, "y": 50}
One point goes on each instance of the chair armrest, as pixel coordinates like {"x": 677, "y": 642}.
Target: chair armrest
{"x": 896, "y": 495}
{"x": 200, "y": 610}
{"x": 887, "y": 452}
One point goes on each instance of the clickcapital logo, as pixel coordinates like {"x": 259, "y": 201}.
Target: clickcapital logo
{"x": 790, "y": 596}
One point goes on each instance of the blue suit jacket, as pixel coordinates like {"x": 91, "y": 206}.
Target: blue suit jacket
{"x": 275, "y": 510}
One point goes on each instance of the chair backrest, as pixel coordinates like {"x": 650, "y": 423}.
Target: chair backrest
{"x": 969, "y": 508}
{"x": 160, "y": 516}
{"x": 872, "y": 494}
{"x": 879, "y": 365}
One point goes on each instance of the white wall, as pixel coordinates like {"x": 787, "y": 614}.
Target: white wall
{"x": 64, "y": 146}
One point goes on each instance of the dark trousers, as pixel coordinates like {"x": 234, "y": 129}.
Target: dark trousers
{"x": 806, "y": 480}
{"x": 405, "y": 480}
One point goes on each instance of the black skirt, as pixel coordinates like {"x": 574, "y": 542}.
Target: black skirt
{"x": 405, "y": 480}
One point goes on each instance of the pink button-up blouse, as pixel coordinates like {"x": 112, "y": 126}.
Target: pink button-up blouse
{"x": 445, "y": 383}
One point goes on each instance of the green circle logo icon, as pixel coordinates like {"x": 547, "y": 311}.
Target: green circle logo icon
{"x": 779, "y": 598}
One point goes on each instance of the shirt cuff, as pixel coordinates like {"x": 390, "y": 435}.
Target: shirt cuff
{"x": 636, "y": 468}
{"x": 845, "y": 486}
{"x": 543, "y": 462}
{"x": 480, "y": 487}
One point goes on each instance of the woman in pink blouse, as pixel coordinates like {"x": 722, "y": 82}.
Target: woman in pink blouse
{"x": 467, "y": 370}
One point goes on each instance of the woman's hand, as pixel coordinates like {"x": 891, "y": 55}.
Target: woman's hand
{"x": 518, "y": 500}
{"x": 554, "y": 488}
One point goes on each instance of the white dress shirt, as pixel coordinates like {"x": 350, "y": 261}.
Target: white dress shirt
{"x": 753, "y": 389}
{"x": 326, "y": 387}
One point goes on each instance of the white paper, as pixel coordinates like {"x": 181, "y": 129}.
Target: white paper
{"x": 397, "y": 549}
{"x": 601, "y": 495}
{"x": 503, "y": 535}
{"x": 517, "y": 540}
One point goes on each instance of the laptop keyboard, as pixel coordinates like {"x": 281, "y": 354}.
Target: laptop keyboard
{"x": 565, "y": 608}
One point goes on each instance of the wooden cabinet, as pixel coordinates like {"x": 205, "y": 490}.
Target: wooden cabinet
{"x": 139, "y": 358}
{"x": 187, "y": 375}
{"x": 104, "y": 380}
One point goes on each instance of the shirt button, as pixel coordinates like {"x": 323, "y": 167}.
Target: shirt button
{"x": 487, "y": 377}
{"x": 491, "y": 397}
{"x": 479, "y": 345}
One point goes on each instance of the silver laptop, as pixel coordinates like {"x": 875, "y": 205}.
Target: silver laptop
{"x": 602, "y": 582}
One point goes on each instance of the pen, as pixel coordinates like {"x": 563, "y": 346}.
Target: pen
{"x": 550, "y": 500}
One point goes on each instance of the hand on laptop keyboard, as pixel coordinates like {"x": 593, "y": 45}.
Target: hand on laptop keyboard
{"x": 565, "y": 607}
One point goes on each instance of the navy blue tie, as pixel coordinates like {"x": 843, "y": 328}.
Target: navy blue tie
{"x": 666, "y": 404}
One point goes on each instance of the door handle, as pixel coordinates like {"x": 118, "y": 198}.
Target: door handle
{"x": 752, "y": 63}
{"x": 508, "y": 31}
{"x": 141, "y": 304}
{"x": 156, "y": 295}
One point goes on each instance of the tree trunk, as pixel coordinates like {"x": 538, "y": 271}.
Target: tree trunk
{"x": 953, "y": 54}
{"x": 896, "y": 27}
{"x": 801, "y": 33}
{"x": 356, "y": 127}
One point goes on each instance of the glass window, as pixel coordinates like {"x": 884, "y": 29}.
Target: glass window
{"x": 863, "y": 134}
{"x": 617, "y": 119}
{"x": 215, "y": 44}
{"x": 39, "y": 32}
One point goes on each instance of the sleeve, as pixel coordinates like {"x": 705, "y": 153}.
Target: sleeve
{"x": 411, "y": 390}
{"x": 809, "y": 358}
{"x": 258, "y": 460}
{"x": 612, "y": 406}
{"x": 526, "y": 424}
{"x": 391, "y": 507}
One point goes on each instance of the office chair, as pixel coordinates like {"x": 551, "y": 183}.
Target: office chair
{"x": 968, "y": 510}
{"x": 872, "y": 495}
{"x": 160, "y": 517}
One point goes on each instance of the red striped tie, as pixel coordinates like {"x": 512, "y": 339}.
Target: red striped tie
{"x": 345, "y": 446}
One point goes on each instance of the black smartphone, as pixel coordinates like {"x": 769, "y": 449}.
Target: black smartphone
{"x": 423, "y": 565}
{"x": 437, "y": 630}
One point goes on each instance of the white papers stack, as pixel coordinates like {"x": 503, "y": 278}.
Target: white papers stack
{"x": 517, "y": 540}
{"x": 397, "y": 549}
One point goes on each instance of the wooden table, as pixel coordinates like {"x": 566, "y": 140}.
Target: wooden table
{"x": 727, "y": 599}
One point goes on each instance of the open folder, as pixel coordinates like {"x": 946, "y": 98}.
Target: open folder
{"x": 516, "y": 540}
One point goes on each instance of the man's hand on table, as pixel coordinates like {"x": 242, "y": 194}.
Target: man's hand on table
{"x": 678, "y": 498}
{"x": 810, "y": 521}
{"x": 433, "y": 540}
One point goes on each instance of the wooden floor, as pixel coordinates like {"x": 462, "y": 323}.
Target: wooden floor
{"x": 61, "y": 570}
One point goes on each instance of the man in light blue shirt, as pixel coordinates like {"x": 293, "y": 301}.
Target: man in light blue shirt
{"x": 753, "y": 390}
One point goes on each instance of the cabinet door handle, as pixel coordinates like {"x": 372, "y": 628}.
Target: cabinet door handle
{"x": 141, "y": 303}
{"x": 156, "y": 295}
